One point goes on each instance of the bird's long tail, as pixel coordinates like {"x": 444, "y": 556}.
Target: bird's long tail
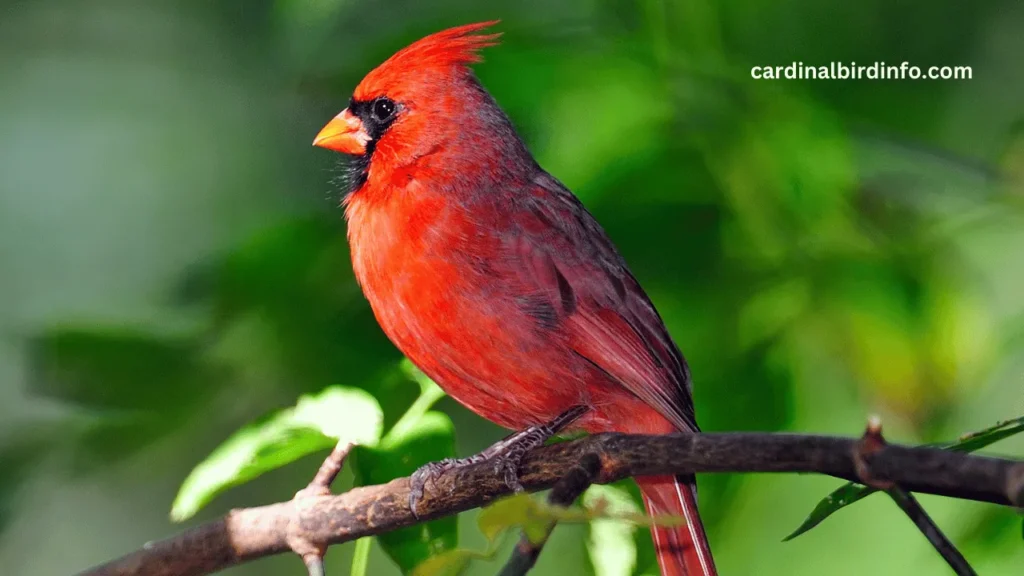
{"x": 682, "y": 550}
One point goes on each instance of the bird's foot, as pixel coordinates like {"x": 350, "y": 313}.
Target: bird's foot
{"x": 431, "y": 471}
{"x": 510, "y": 454}
{"x": 506, "y": 455}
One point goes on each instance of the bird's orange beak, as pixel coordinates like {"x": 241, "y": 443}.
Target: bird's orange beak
{"x": 345, "y": 133}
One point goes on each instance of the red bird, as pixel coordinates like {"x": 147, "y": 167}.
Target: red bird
{"x": 492, "y": 277}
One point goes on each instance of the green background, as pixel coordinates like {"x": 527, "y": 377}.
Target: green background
{"x": 173, "y": 262}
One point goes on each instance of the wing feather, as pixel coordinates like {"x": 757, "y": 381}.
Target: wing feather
{"x": 609, "y": 320}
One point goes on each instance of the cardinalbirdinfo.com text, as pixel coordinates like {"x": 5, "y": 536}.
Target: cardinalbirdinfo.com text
{"x": 854, "y": 71}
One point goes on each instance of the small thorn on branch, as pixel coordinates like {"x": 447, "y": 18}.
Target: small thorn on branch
{"x": 563, "y": 493}
{"x": 870, "y": 444}
{"x": 927, "y": 526}
{"x": 312, "y": 553}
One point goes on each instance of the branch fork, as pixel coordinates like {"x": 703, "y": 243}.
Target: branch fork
{"x": 307, "y": 501}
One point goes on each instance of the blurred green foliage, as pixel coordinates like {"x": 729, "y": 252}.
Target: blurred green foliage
{"x": 173, "y": 263}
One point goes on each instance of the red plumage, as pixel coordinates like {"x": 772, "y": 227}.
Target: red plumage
{"x": 494, "y": 279}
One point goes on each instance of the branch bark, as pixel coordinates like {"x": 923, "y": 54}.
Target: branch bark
{"x": 246, "y": 534}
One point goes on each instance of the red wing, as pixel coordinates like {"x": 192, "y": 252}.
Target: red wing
{"x": 580, "y": 283}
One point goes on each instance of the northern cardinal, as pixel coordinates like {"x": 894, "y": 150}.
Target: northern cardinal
{"x": 491, "y": 276}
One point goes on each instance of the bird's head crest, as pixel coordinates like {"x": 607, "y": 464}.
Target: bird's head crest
{"x": 452, "y": 48}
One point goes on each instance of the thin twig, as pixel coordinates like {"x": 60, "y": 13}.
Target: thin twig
{"x": 913, "y": 508}
{"x": 870, "y": 444}
{"x": 563, "y": 494}
{"x": 246, "y": 534}
{"x": 331, "y": 467}
{"x": 315, "y": 566}
{"x": 310, "y": 550}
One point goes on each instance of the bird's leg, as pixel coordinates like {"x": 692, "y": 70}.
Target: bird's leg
{"x": 506, "y": 454}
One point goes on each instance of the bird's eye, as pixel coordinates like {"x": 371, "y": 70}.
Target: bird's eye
{"x": 383, "y": 108}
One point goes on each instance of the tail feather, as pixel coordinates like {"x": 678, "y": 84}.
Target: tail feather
{"x": 681, "y": 550}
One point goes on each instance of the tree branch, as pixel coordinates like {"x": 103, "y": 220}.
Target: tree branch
{"x": 250, "y": 533}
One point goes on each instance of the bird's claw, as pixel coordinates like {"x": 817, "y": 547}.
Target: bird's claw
{"x": 506, "y": 457}
{"x": 509, "y": 470}
{"x": 505, "y": 465}
{"x": 429, "y": 472}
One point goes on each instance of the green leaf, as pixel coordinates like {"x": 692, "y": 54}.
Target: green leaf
{"x": 610, "y": 546}
{"x": 342, "y": 413}
{"x": 494, "y": 520}
{"x": 314, "y": 424}
{"x": 449, "y": 563}
{"x": 534, "y": 516}
{"x": 519, "y": 509}
{"x": 418, "y": 437}
{"x": 844, "y": 496}
{"x": 978, "y": 440}
{"x": 851, "y": 492}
